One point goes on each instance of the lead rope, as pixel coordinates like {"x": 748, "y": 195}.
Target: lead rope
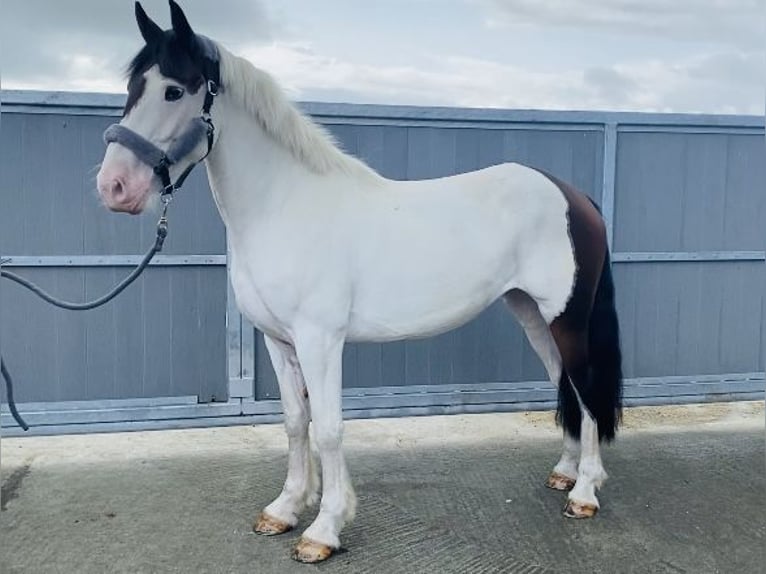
{"x": 162, "y": 232}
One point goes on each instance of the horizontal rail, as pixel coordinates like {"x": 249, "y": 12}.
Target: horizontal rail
{"x": 220, "y": 260}
{"x": 111, "y": 260}
{"x": 182, "y": 412}
{"x": 681, "y": 256}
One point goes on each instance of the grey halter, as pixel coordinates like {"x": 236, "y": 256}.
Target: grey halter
{"x": 199, "y": 129}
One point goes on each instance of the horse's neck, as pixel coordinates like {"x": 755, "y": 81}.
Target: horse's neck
{"x": 248, "y": 171}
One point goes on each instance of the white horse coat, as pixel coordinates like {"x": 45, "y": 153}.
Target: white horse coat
{"x": 324, "y": 250}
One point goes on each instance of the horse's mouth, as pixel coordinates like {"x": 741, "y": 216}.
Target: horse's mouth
{"x": 133, "y": 207}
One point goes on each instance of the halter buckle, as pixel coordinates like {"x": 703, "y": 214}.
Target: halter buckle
{"x": 166, "y": 198}
{"x": 212, "y": 88}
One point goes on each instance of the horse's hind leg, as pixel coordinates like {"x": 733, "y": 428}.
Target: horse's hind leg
{"x": 302, "y": 483}
{"x": 525, "y": 309}
{"x": 538, "y": 333}
{"x": 577, "y": 401}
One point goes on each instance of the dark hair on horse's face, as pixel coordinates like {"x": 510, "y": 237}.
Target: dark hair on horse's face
{"x": 174, "y": 62}
{"x": 175, "y": 51}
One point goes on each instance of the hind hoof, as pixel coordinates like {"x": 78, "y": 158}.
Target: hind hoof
{"x": 310, "y": 552}
{"x": 574, "y": 509}
{"x": 270, "y": 526}
{"x": 558, "y": 481}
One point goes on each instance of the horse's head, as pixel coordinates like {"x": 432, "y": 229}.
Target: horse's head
{"x": 171, "y": 86}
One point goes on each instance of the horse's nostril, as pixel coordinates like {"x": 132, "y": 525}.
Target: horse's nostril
{"x": 117, "y": 188}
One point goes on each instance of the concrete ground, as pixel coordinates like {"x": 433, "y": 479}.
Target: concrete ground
{"x": 456, "y": 494}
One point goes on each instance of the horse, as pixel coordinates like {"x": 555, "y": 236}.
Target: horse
{"x": 324, "y": 250}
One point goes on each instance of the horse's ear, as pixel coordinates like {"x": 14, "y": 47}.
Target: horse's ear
{"x": 149, "y": 30}
{"x": 181, "y": 26}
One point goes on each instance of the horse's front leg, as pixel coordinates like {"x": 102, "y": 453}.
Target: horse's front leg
{"x": 320, "y": 357}
{"x": 302, "y": 483}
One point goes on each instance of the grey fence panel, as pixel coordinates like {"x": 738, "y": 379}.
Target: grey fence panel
{"x": 164, "y": 336}
{"x": 690, "y": 191}
{"x": 684, "y": 318}
{"x": 491, "y": 348}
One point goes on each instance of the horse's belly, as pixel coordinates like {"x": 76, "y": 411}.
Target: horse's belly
{"x": 426, "y": 324}
{"x": 415, "y": 312}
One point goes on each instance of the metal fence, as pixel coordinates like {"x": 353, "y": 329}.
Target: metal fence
{"x": 682, "y": 194}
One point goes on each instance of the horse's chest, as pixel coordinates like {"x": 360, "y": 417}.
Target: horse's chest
{"x": 260, "y": 298}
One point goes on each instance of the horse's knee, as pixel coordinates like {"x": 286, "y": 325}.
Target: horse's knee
{"x": 328, "y": 436}
{"x": 296, "y": 430}
{"x": 296, "y": 425}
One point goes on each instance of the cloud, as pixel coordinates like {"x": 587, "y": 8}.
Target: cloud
{"x": 86, "y": 44}
{"x": 720, "y": 82}
{"x": 733, "y": 22}
{"x": 697, "y": 84}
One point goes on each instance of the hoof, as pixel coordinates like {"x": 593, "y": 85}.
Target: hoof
{"x": 558, "y": 481}
{"x": 309, "y": 552}
{"x": 575, "y": 509}
{"x": 270, "y": 526}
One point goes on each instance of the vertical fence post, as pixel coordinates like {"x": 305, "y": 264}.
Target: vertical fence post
{"x": 608, "y": 181}
{"x": 239, "y": 347}
{"x": 248, "y": 356}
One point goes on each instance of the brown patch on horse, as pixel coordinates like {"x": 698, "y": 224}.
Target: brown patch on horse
{"x": 587, "y": 332}
{"x": 588, "y": 234}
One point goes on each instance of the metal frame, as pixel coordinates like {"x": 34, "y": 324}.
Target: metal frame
{"x": 242, "y": 408}
{"x": 676, "y": 256}
{"x": 609, "y": 179}
{"x": 183, "y": 412}
{"x": 112, "y": 260}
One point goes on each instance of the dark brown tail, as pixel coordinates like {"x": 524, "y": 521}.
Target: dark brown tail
{"x": 600, "y": 388}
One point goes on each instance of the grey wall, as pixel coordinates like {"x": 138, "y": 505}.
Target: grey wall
{"x": 164, "y": 336}
{"x": 683, "y": 196}
{"x": 691, "y": 193}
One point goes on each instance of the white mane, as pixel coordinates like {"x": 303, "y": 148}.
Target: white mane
{"x": 262, "y": 97}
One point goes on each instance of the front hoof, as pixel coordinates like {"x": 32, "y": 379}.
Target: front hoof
{"x": 270, "y": 526}
{"x": 575, "y": 509}
{"x": 309, "y": 552}
{"x": 558, "y": 481}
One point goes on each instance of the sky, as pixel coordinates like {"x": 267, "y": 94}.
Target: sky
{"x": 700, "y": 56}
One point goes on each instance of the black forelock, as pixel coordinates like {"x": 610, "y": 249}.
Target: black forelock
{"x": 174, "y": 62}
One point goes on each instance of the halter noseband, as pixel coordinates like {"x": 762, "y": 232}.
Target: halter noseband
{"x": 199, "y": 128}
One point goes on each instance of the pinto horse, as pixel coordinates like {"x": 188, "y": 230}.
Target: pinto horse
{"x": 324, "y": 250}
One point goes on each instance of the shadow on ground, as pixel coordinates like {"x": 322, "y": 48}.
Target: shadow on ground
{"x": 678, "y": 500}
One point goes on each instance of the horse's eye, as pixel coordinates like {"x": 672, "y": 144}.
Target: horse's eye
{"x": 173, "y": 93}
